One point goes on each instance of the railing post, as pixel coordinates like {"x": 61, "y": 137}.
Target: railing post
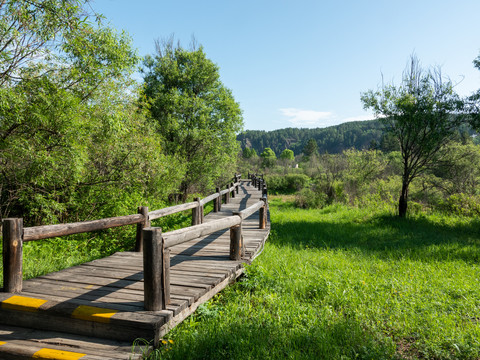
{"x": 259, "y": 183}
{"x": 233, "y": 192}
{"x": 227, "y": 195}
{"x": 262, "y": 214}
{"x": 236, "y": 241}
{"x": 156, "y": 270}
{"x": 264, "y": 191}
{"x": 196, "y": 213}
{"x": 12, "y": 255}
{"x": 145, "y": 224}
{"x": 217, "y": 205}
{"x": 236, "y": 187}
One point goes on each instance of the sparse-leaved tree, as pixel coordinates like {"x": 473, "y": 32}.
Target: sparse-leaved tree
{"x": 422, "y": 113}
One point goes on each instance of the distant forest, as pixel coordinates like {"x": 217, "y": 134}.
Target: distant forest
{"x": 334, "y": 139}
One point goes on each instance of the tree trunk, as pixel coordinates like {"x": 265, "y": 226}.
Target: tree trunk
{"x": 403, "y": 201}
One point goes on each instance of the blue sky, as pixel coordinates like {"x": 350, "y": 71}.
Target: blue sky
{"x": 304, "y": 63}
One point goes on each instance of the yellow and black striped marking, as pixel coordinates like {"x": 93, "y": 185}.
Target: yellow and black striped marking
{"x": 57, "y": 354}
{"x": 22, "y": 303}
{"x": 92, "y": 313}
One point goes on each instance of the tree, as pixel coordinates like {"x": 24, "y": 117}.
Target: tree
{"x": 473, "y": 104}
{"x": 72, "y": 141}
{"x": 196, "y": 115}
{"x": 268, "y": 157}
{"x": 249, "y": 153}
{"x": 311, "y": 148}
{"x": 421, "y": 113}
{"x": 287, "y": 154}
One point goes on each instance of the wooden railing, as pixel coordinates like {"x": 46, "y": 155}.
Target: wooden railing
{"x": 151, "y": 241}
{"x": 259, "y": 182}
{"x": 156, "y": 250}
{"x": 14, "y": 234}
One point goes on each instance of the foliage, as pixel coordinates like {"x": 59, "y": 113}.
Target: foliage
{"x": 286, "y": 184}
{"x": 311, "y": 148}
{"x": 196, "y": 115}
{"x": 287, "y": 154}
{"x": 462, "y": 204}
{"x": 73, "y": 145}
{"x": 249, "y": 153}
{"x": 473, "y": 104}
{"x": 420, "y": 113}
{"x": 268, "y": 157}
{"x": 333, "y": 139}
{"x": 458, "y": 171}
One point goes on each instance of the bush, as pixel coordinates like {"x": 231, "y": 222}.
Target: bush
{"x": 309, "y": 199}
{"x": 462, "y": 204}
{"x": 286, "y": 184}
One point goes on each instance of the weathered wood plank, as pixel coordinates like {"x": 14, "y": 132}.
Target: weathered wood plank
{"x": 176, "y": 237}
{"x": 49, "y": 231}
{"x": 172, "y": 210}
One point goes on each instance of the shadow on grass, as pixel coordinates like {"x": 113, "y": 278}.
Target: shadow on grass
{"x": 386, "y": 236}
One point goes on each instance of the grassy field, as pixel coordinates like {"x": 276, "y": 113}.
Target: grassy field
{"x": 346, "y": 283}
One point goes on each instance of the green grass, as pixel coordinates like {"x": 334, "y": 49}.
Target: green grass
{"x": 346, "y": 283}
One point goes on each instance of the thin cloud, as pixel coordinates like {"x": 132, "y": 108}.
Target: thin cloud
{"x": 308, "y": 118}
{"x": 359, "y": 118}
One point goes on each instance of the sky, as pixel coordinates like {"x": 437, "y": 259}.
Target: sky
{"x": 305, "y": 63}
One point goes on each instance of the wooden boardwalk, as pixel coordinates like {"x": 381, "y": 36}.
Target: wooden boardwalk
{"x": 96, "y": 310}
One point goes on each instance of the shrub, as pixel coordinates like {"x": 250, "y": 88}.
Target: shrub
{"x": 462, "y": 204}
{"x": 286, "y": 184}
{"x": 309, "y": 199}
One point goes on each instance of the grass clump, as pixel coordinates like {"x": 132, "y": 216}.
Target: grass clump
{"x": 346, "y": 283}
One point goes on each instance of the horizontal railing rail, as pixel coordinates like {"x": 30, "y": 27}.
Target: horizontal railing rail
{"x": 156, "y": 214}
{"x": 48, "y": 231}
{"x": 180, "y": 236}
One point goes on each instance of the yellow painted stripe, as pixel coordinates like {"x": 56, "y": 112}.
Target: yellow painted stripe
{"x": 57, "y": 354}
{"x": 2, "y": 343}
{"x": 22, "y": 303}
{"x": 92, "y": 313}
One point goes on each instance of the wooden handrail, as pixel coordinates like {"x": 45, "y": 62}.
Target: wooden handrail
{"x": 172, "y": 210}
{"x": 209, "y": 198}
{"x": 49, "y": 231}
{"x": 180, "y": 236}
{"x": 250, "y": 210}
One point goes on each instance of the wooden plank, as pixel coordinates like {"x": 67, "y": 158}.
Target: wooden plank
{"x": 176, "y": 237}
{"x": 11, "y": 333}
{"x": 48, "y": 231}
{"x": 209, "y": 198}
{"x": 171, "y": 210}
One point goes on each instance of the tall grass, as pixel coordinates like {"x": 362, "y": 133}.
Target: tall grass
{"x": 346, "y": 283}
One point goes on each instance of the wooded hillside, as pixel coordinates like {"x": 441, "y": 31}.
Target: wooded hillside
{"x": 333, "y": 139}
